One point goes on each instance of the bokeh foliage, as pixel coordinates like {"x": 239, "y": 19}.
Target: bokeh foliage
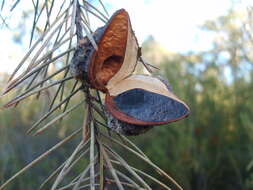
{"x": 210, "y": 150}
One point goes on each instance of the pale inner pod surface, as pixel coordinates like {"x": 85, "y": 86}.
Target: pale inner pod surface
{"x": 145, "y": 82}
{"x": 130, "y": 59}
{"x": 145, "y": 100}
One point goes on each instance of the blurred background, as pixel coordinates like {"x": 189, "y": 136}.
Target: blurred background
{"x": 204, "y": 49}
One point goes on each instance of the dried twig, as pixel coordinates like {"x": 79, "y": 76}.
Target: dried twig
{"x": 70, "y": 22}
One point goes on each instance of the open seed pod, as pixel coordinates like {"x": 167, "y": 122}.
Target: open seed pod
{"x": 115, "y": 58}
{"x": 134, "y": 103}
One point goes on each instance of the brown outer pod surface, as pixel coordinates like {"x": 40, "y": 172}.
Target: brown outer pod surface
{"x": 109, "y": 57}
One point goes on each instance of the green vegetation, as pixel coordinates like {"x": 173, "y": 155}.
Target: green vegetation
{"x": 210, "y": 150}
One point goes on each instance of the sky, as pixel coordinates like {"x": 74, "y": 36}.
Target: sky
{"x": 174, "y": 24}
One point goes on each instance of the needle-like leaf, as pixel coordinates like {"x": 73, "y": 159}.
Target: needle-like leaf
{"x": 112, "y": 170}
{"x": 23, "y": 78}
{"x": 67, "y": 164}
{"x": 101, "y": 167}
{"x": 34, "y": 46}
{"x": 90, "y": 5}
{"x": 2, "y": 5}
{"x": 57, "y": 118}
{"x": 53, "y": 174}
{"x": 95, "y": 14}
{"x": 27, "y": 94}
{"x": 92, "y": 153}
{"x": 133, "y": 145}
{"x": 31, "y": 65}
{"x": 129, "y": 169}
{"x": 14, "y": 5}
{"x": 74, "y": 183}
{"x": 159, "y": 170}
{"x": 36, "y": 124}
{"x": 73, "y": 17}
{"x": 36, "y": 8}
{"x": 81, "y": 178}
{"x": 146, "y": 175}
{"x": 44, "y": 155}
{"x": 104, "y": 7}
{"x": 127, "y": 178}
{"x": 72, "y": 90}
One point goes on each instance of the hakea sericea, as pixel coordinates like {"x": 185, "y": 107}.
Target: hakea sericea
{"x": 133, "y": 103}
